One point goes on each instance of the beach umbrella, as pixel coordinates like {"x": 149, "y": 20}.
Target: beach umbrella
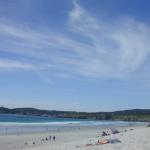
{"x": 114, "y": 131}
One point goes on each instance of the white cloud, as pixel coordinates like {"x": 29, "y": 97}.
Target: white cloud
{"x": 7, "y": 64}
{"x": 119, "y": 48}
{"x": 94, "y": 48}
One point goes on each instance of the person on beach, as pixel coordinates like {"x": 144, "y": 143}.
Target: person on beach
{"x": 46, "y": 139}
{"x": 50, "y": 137}
{"x": 54, "y": 138}
{"x": 104, "y": 133}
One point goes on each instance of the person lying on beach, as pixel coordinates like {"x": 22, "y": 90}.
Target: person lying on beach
{"x": 29, "y": 143}
{"x": 104, "y": 141}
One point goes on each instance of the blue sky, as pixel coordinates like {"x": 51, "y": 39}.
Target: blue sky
{"x": 83, "y": 55}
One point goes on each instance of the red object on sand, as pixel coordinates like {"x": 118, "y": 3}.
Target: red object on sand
{"x": 104, "y": 142}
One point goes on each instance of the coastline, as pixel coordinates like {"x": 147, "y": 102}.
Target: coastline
{"x": 40, "y": 127}
{"x": 69, "y": 140}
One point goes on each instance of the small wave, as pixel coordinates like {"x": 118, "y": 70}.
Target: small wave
{"x": 37, "y": 123}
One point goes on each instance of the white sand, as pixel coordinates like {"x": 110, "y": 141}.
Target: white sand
{"x": 138, "y": 139}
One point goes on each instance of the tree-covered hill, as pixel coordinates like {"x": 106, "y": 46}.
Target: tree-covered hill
{"x": 126, "y": 115}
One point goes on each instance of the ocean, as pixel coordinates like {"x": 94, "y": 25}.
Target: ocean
{"x": 17, "y": 124}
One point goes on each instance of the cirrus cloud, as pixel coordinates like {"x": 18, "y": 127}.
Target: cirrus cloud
{"x": 89, "y": 48}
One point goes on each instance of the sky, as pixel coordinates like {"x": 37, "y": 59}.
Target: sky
{"x": 78, "y": 55}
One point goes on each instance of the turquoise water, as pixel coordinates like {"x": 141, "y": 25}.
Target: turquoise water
{"x": 12, "y": 124}
{"x": 9, "y": 118}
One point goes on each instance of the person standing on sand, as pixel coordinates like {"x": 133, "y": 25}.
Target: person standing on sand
{"x": 54, "y": 138}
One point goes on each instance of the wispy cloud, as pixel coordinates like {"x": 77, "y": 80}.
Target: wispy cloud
{"x": 93, "y": 49}
{"x": 6, "y": 64}
{"x": 119, "y": 48}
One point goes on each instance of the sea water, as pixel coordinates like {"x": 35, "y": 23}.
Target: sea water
{"x": 17, "y": 124}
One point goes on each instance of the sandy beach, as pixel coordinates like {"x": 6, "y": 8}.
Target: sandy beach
{"x": 133, "y": 138}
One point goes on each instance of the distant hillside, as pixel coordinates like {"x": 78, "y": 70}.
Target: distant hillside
{"x": 126, "y": 115}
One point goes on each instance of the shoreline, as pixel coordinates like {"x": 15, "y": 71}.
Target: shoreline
{"x": 22, "y": 128}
